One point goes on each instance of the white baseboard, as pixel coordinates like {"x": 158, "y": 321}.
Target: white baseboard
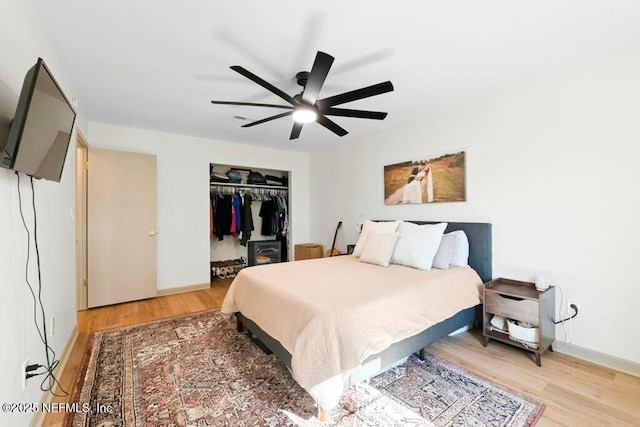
{"x": 593, "y": 356}
{"x": 182, "y": 289}
{"x": 38, "y": 417}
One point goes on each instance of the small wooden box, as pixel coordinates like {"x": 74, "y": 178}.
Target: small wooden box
{"x": 308, "y": 251}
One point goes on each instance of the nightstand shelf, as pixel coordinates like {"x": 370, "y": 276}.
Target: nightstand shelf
{"x": 519, "y": 301}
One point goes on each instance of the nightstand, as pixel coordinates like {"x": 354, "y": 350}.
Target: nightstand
{"x": 519, "y": 302}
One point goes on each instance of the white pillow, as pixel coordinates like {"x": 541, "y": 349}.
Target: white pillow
{"x": 379, "y": 248}
{"x": 417, "y": 244}
{"x": 445, "y": 251}
{"x": 369, "y": 226}
{"x": 460, "y": 254}
{"x": 453, "y": 250}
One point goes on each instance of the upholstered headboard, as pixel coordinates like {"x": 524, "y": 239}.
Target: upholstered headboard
{"x": 480, "y": 246}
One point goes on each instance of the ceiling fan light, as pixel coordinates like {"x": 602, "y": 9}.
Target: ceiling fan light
{"x": 304, "y": 115}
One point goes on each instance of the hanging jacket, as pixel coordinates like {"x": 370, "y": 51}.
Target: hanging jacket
{"x": 268, "y": 215}
{"x": 246, "y": 220}
{"x": 223, "y": 215}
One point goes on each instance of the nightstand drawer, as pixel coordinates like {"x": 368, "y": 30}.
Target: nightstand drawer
{"x": 525, "y": 310}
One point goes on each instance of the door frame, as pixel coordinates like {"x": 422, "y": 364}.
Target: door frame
{"x": 81, "y": 220}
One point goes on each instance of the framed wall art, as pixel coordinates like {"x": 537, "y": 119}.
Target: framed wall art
{"x": 440, "y": 179}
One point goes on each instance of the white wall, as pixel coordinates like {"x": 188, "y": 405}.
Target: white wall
{"x": 24, "y": 38}
{"x": 183, "y": 192}
{"x": 551, "y": 162}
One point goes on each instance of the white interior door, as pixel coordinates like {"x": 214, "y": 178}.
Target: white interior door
{"x": 121, "y": 228}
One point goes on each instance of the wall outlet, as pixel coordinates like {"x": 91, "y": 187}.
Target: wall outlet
{"x": 53, "y": 325}
{"x": 23, "y": 373}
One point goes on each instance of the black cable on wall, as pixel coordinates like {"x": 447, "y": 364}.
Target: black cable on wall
{"x": 50, "y": 379}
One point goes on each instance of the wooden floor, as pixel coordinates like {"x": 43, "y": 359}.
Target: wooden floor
{"x": 576, "y": 393}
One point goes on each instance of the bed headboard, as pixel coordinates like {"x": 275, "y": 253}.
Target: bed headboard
{"x": 480, "y": 246}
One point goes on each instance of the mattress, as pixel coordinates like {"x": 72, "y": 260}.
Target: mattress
{"x": 330, "y": 314}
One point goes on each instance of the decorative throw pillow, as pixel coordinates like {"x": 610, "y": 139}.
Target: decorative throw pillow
{"x": 379, "y": 248}
{"x": 380, "y": 227}
{"x": 417, "y": 244}
{"x": 460, "y": 253}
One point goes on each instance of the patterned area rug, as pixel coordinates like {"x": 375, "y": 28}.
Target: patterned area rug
{"x": 196, "y": 370}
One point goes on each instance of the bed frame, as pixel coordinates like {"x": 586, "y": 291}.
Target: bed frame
{"x": 480, "y": 259}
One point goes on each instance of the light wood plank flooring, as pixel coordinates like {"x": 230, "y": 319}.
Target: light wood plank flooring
{"x": 576, "y": 393}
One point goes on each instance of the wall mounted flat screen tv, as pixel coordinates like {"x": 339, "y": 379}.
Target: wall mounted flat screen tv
{"x": 41, "y": 129}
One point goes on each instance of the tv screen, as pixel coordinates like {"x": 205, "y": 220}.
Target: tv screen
{"x": 41, "y": 129}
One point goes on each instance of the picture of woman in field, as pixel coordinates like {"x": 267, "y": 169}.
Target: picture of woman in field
{"x": 440, "y": 179}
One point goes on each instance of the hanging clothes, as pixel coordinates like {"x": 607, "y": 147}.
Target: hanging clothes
{"x": 274, "y": 214}
{"x": 285, "y": 221}
{"x": 212, "y": 223}
{"x": 231, "y": 213}
{"x": 282, "y": 215}
{"x": 246, "y": 219}
{"x": 236, "y": 221}
{"x": 223, "y": 215}
{"x": 232, "y": 229}
{"x": 268, "y": 215}
{"x": 237, "y": 205}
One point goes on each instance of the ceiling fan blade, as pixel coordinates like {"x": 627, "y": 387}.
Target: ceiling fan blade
{"x": 331, "y": 125}
{"x": 316, "y": 78}
{"x": 263, "y": 83}
{"x": 295, "y": 132}
{"x": 361, "y": 114}
{"x": 354, "y": 95}
{"x": 268, "y": 119}
{"x": 252, "y": 104}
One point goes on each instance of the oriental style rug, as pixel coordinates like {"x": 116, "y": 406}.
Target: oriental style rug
{"x": 196, "y": 370}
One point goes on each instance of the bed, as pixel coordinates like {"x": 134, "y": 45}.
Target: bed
{"x": 332, "y": 320}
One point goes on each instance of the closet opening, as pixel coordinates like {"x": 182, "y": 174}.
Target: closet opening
{"x": 249, "y": 219}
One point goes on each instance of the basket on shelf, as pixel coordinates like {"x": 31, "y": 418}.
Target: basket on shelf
{"x": 524, "y": 333}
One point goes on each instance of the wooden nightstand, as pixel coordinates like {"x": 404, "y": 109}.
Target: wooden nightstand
{"x": 519, "y": 301}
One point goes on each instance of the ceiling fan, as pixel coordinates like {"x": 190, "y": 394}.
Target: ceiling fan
{"x": 305, "y": 107}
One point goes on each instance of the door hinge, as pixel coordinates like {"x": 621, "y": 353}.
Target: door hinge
{"x": 85, "y": 283}
{"x": 85, "y": 165}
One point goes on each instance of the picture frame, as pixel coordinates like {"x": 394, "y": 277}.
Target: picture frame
{"x": 439, "y": 179}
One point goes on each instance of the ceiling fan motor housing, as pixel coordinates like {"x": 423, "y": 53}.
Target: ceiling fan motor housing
{"x": 302, "y": 77}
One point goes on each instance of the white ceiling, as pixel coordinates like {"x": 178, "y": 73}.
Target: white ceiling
{"x": 157, "y": 64}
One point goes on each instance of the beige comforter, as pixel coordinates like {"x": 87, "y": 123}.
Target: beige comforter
{"x": 332, "y": 313}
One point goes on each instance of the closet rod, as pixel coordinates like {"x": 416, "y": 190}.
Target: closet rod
{"x": 225, "y": 184}
{"x": 261, "y": 191}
